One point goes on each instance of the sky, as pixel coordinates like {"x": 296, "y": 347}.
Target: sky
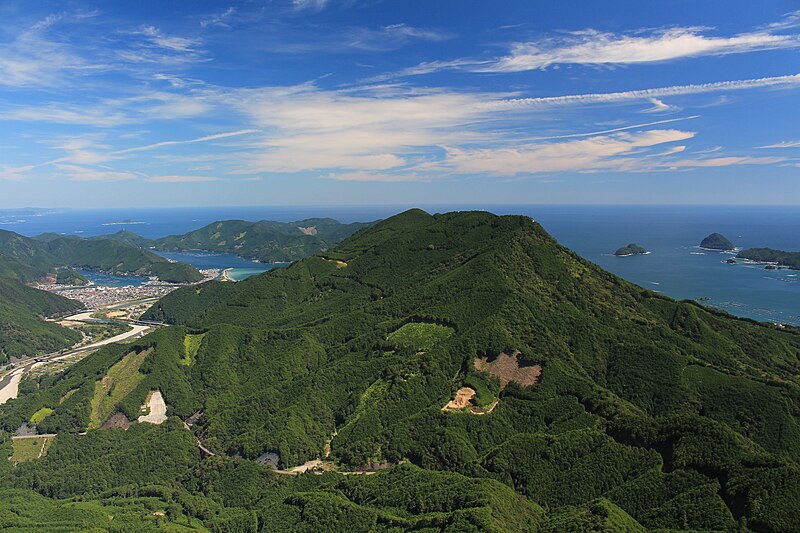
{"x": 349, "y": 102}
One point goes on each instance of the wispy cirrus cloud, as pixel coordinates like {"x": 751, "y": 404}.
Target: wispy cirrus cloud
{"x": 11, "y": 173}
{"x": 316, "y": 5}
{"x": 594, "y": 47}
{"x": 391, "y": 37}
{"x": 660, "y": 107}
{"x": 602, "y": 152}
{"x": 221, "y": 20}
{"x": 591, "y": 47}
{"x": 783, "y": 144}
{"x": 35, "y": 59}
{"x": 789, "y": 81}
{"x": 149, "y": 44}
{"x": 205, "y": 138}
{"x": 180, "y": 179}
{"x": 375, "y": 176}
{"x": 83, "y": 173}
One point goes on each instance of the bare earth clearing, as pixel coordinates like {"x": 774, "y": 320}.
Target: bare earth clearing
{"x": 463, "y": 396}
{"x": 158, "y": 409}
{"x": 506, "y": 368}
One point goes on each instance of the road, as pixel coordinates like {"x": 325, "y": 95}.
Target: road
{"x": 9, "y": 385}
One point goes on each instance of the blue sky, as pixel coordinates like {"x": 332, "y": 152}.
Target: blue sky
{"x": 177, "y": 103}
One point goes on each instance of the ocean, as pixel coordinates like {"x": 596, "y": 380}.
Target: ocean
{"x": 676, "y": 267}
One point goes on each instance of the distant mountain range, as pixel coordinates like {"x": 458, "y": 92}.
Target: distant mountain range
{"x": 29, "y": 259}
{"x": 266, "y": 241}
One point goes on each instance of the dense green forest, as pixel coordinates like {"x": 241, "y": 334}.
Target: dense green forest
{"x": 648, "y": 414}
{"x": 267, "y": 241}
{"x": 68, "y": 276}
{"x": 29, "y": 259}
{"x": 769, "y": 255}
{"x": 22, "y": 332}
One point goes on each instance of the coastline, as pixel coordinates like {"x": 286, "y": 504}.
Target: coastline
{"x": 226, "y": 276}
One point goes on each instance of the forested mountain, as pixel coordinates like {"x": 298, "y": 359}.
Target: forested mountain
{"x": 31, "y": 259}
{"x": 524, "y": 388}
{"x": 265, "y": 241}
{"x": 22, "y": 332}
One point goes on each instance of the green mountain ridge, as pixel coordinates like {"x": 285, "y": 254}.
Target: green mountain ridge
{"x": 29, "y": 259}
{"x": 22, "y": 332}
{"x": 645, "y": 413}
{"x": 266, "y": 241}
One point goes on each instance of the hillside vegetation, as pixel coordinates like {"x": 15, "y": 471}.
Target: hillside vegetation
{"x": 29, "y": 259}
{"x": 265, "y": 241}
{"x": 22, "y": 330}
{"x": 769, "y": 255}
{"x": 636, "y": 412}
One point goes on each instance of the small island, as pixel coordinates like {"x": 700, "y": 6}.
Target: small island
{"x": 631, "y": 249}
{"x": 717, "y": 241}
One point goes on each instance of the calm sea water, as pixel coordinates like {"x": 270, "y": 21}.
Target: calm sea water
{"x": 240, "y": 268}
{"x": 676, "y": 267}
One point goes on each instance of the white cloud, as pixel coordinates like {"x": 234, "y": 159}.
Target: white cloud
{"x": 80, "y": 173}
{"x": 15, "y": 173}
{"x": 592, "y": 47}
{"x": 180, "y": 179}
{"x": 374, "y": 176}
{"x": 173, "y": 43}
{"x": 376, "y": 128}
{"x": 724, "y": 162}
{"x": 220, "y": 19}
{"x": 646, "y": 94}
{"x": 391, "y": 37}
{"x": 790, "y": 20}
{"x": 660, "y": 107}
{"x": 150, "y": 45}
{"x": 33, "y": 59}
{"x": 309, "y": 4}
{"x": 596, "y": 153}
{"x": 783, "y": 144}
{"x": 206, "y": 138}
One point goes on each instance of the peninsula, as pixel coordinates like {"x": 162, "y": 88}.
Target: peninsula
{"x": 771, "y": 256}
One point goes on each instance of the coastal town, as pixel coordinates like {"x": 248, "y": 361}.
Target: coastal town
{"x": 96, "y": 295}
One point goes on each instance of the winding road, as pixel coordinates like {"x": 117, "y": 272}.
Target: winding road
{"x": 9, "y": 385}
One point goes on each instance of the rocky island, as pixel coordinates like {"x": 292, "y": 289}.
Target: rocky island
{"x": 630, "y": 249}
{"x": 717, "y": 241}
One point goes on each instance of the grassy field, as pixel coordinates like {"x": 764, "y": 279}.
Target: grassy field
{"x": 191, "y": 345}
{"x": 120, "y": 380}
{"x": 419, "y": 335}
{"x": 29, "y": 449}
{"x": 40, "y": 415}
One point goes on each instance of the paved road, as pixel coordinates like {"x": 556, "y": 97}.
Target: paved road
{"x": 9, "y": 385}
